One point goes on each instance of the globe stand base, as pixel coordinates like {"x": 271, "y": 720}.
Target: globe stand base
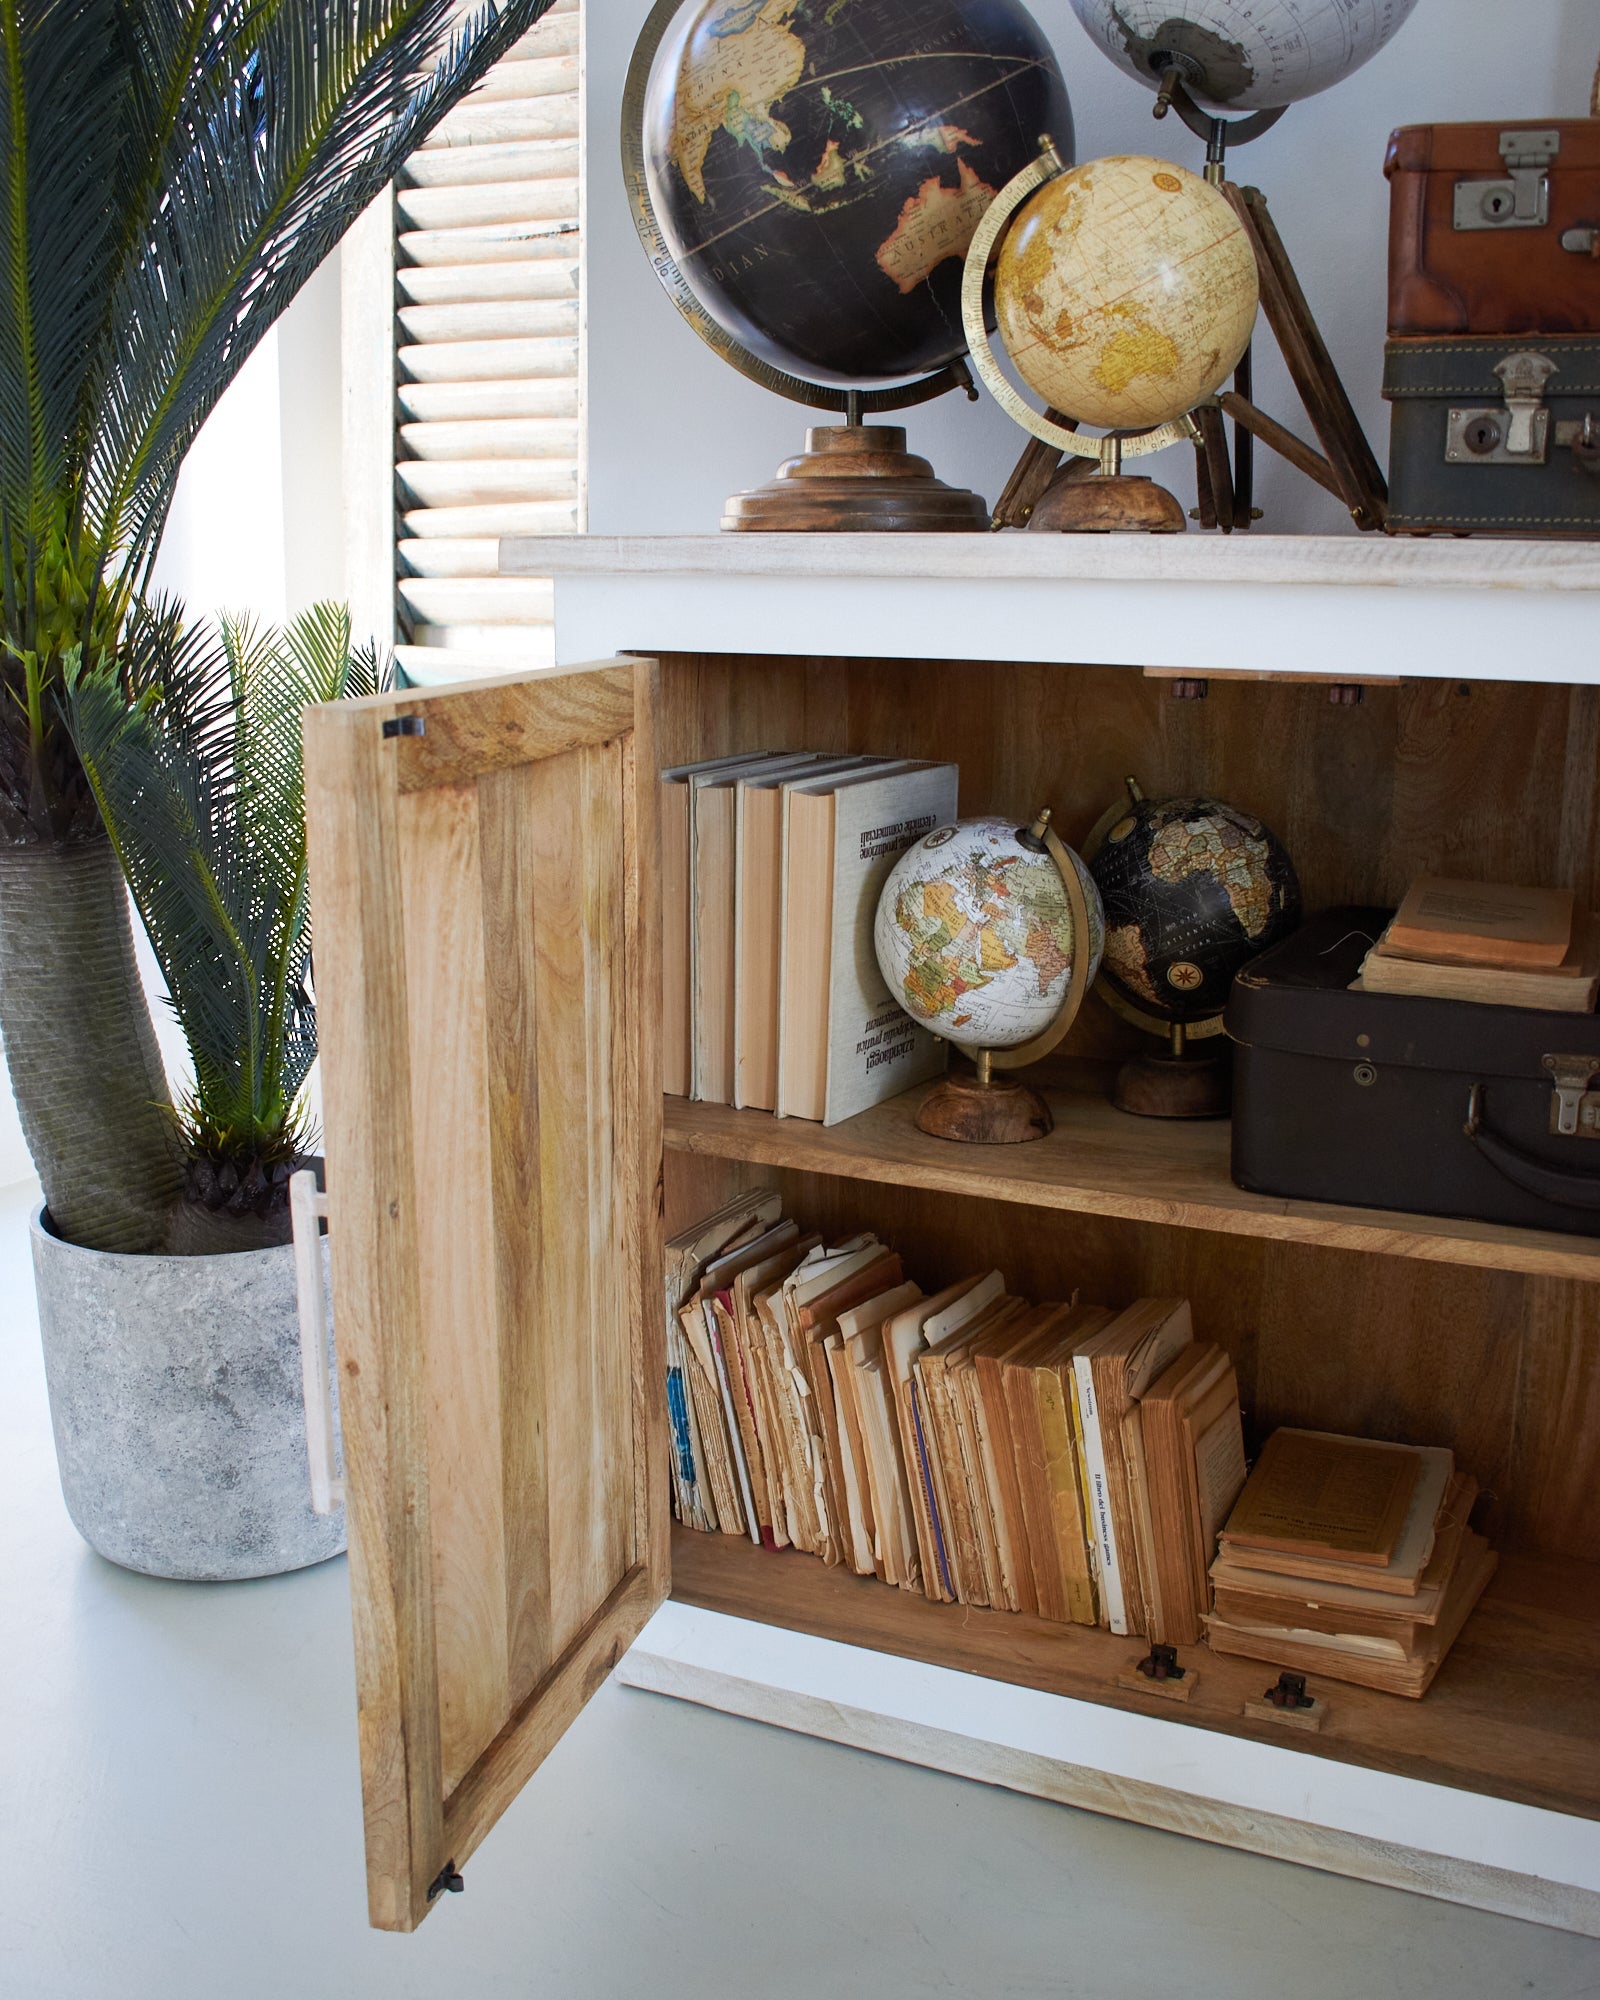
{"x": 1172, "y": 1085}
{"x": 854, "y": 479}
{"x": 999, "y": 1112}
{"x": 1107, "y": 503}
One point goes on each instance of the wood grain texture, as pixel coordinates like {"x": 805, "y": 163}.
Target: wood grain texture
{"x": 484, "y": 894}
{"x": 1438, "y": 563}
{"x": 1506, "y": 1716}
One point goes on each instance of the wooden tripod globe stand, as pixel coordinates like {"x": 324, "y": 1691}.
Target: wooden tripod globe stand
{"x": 987, "y": 1109}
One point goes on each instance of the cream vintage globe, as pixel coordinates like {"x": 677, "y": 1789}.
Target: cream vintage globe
{"x": 1126, "y": 292}
{"x": 974, "y": 934}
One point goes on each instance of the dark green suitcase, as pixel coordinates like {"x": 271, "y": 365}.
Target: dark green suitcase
{"x": 1494, "y": 435}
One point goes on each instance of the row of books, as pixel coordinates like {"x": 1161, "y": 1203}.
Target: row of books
{"x": 771, "y": 870}
{"x": 1062, "y": 1459}
{"x": 1350, "y": 1558}
{"x": 1489, "y": 942}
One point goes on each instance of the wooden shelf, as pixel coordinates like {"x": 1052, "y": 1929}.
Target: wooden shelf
{"x": 1512, "y": 1713}
{"x": 1098, "y": 1161}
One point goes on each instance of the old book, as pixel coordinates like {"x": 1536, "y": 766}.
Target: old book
{"x": 1482, "y": 923}
{"x": 1316, "y": 1494}
{"x": 1401, "y": 1575}
{"x": 1568, "y": 988}
{"x": 941, "y": 1441}
{"x": 1258, "y": 1597}
{"x": 904, "y": 1338}
{"x": 1369, "y": 1662}
{"x": 687, "y": 1255}
{"x": 843, "y": 1041}
{"x": 715, "y": 1301}
{"x": 894, "y": 1528}
{"x": 989, "y": 1423}
{"x": 1113, "y": 1368}
{"x": 1038, "y": 1380}
{"x": 748, "y": 1337}
{"x": 713, "y": 876}
{"x": 865, "y": 1558}
{"x": 757, "y": 927}
{"x": 1189, "y": 1438}
{"x": 675, "y": 921}
{"x": 711, "y": 1414}
{"x": 982, "y": 1550}
{"x": 789, "y": 1427}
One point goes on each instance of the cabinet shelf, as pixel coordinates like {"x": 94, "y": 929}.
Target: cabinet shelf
{"x": 1098, "y": 1161}
{"x": 1510, "y": 1715}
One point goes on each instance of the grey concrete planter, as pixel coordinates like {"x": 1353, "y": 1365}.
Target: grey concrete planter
{"x": 176, "y": 1400}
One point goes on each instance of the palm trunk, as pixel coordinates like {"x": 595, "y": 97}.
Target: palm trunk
{"x": 85, "y": 1067}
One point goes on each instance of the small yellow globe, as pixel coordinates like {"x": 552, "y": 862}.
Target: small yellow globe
{"x": 1126, "y": 292}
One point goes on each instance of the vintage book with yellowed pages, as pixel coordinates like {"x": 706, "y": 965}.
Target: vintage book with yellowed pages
{"x": 1316, "y": 1494}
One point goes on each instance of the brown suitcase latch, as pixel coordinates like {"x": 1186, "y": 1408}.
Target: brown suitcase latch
{"x": 1522, "y": 199}
{"x": 1518, "y": 433}
{"x": 1575, "y": 1109}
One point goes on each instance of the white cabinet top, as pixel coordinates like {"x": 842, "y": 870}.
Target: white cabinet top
{"x": 1343, "y": 607}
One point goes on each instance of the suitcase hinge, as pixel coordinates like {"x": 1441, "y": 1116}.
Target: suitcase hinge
{"x": 1572, "y": 1075}
{"x": 1522, "y": 199}
{"x": 1517, "y": 433}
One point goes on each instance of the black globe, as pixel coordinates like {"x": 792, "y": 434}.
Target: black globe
{"x": 1193, "y": 890}
{"x": 818, "y": 167}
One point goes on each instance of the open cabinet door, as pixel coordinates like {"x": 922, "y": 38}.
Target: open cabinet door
{"x": 484, "y": 872}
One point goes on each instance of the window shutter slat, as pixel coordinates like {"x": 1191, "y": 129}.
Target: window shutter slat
{"x": 487, "y": 319}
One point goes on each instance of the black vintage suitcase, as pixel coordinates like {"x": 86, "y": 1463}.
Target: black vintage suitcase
{"x": 1383, "y": 1100}
{"x": 1494, "y": 435}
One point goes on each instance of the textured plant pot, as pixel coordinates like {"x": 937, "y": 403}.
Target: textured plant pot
{"x": 176, "y": 1400}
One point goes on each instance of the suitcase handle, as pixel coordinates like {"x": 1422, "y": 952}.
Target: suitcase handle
{"x": 1562, "y": 1185}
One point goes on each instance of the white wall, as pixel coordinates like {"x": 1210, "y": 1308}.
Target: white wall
{"x": 255, "y": 526}
{"x": 673, "y": 430}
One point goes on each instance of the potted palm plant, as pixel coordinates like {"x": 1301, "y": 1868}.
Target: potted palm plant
{"x": 175, "y": 1379}
{"x": 171, "y": 173}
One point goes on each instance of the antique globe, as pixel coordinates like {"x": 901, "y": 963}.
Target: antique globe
{"x": 1193, "y": 890}
{"x": 990, "y": 934}
{"x": 1126, "y": 292}
{"x": 817, "y": 169}
{"x": 1243, "y": 55}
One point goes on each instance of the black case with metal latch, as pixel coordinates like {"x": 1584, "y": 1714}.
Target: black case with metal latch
{"x": 1494, "y": 434}
{"x": 1385, "y": 1100}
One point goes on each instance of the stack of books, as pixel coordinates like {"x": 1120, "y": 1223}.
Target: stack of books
{"x": 1351, "y": 1559}
{"x": 1490, "y": 943}
{"x": 771, "y": 870}
{"x": 1062, "y": 1459}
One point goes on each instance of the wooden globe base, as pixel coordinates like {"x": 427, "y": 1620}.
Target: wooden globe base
{"x": 854, "y": 479}
{"x": 1108, "y": 503}
{"x": 1176, "y": 1086}
{"x": 1001, "y": 1112}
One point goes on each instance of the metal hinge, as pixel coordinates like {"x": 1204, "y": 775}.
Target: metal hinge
{"x": 1522, "y": 199}
{"x": 1516, "y": 432}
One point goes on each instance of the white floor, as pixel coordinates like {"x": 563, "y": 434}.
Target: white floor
{"x": 179, "y": 1817}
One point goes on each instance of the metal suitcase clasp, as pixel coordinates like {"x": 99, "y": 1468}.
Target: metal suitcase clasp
{"x": 1522, "y": 199}
{"x": 1575, "y": 1109}
{"x": 1516, "y": 433}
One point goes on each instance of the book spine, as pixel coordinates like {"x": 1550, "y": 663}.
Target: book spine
{"x": 1065, "y": 1497}
{"x": 1099, "y": 1490}
{"x": 735, "y": 1433}
{"x": 930, "y": 1498}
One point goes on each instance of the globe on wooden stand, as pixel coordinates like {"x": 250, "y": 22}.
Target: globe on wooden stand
{"x": 1193, "y": 890}
{"x": 974, "y": 929}
{"x": 1126, "y": 292}
{"x": 805, "y": 181}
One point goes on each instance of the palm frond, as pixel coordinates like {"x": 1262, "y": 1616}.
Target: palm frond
{"x": 192, "y": 745}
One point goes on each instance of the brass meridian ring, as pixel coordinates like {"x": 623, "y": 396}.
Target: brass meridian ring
{"x": 1115, "y": 445}
{"x": 1078, "y": 982}
{"x": 815, "y": 394}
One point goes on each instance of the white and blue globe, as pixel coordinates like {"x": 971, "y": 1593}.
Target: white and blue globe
{"x": 974, "y": 934}
{"x": 1243, "y": 55}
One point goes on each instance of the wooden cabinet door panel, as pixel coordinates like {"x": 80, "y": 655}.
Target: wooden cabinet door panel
{"x": 486, "y": 901}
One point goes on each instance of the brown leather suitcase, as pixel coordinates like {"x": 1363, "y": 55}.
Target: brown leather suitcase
{"x": 1385, "y": 1100}
{"x": 1495, "y": 228}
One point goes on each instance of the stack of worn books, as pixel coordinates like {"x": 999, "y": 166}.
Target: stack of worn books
{"x": 1490, "y": 943}
{"x": 1061, "y": 1459}
{"x": 1351, "y": 1559}
{"x": 771, "y": 870}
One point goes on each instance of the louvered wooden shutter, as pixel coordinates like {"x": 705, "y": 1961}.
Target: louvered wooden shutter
{"x": 485, "y": 427}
